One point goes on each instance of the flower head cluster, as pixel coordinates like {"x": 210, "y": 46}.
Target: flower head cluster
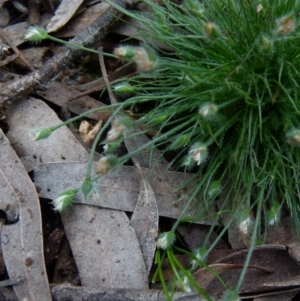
{"x": 118, "y": 129}
{"x": 106, "y": 164}
{"x": 184, "y": 284}
{"x": 245, "y": 222}
{"x": 36, "y": 34}
{"x": 144, "y": 56}
{"x": 212, "y": 30}
{"x": 64, "y": 200}
{"x": 208, "y": 110}
{"x": 39, "y": 134}
{"x": 200, "y": 254}
{"x": 124, "y": 88}
{"x": 274, "y": 213}
{"x": 165, "y": 240}
{"x": 285, "y": 25}
{"x": 198, "y": 153}
{"x": 293, "y": 137}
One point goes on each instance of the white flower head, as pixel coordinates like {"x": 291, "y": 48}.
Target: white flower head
{"x": 198, "y": 152}
{"x": 293, "y": 137}
{"x": 274, "y": 214}
{"x": 36, "y": 34}
{"x": 245, "y": 225}
{"x": 124, "y": 52}
{"x": 115, "y": 133}
{"x": 259, "y": 8}
{"x": 245, "y": 222}
{"x": 186, "y": 285}
{"x": 106, "y": 164}
{"x": 64, "y": 200}
{"x": 118, "y": 127}
{"x": 165, "y": 240}
{"x": 208, "y": 110}
{"x": 146, "y": 59}
{"x": 285, "y": 25}
{"x": 200, "y": 254}
{"x": 124, "y": 88}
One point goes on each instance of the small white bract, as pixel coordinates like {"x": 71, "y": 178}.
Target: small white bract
{"x": 115, "y": 132}
{"x": 245, "y": 225}
{"x": 165, "y": 240}
{"x": 259, "y": 8}
{"x": 146, "y": 59}
{"x": 39, "y": 134}
{"x": 162, "y": 242}
{"x": 186, "y": 285}
{"x": 198, "y": 152}
{"x": 208, "y": 110}
{"x": 273, "y": 221}
{"x": 64, "y": 200}
{"x": 36, "y": 34}
{"x": 106, "y": 164}
{"x": 285, "y": 25}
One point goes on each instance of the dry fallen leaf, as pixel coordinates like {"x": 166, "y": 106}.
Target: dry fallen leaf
{"x": 22, "y": 242}
{"x": 105, "y": 248}
{"x": 88, "y": 132}
{"x": 63, "y": 14}
{"x": 145, "y": 215}
{"x": 119, "y": 189}
{"x": 60, "y": 95}
{"x": 116, "y": 255}
{"x": 81, "y": 21}
{"x": 60, "y": 146}
{"x": 144, "y": 220}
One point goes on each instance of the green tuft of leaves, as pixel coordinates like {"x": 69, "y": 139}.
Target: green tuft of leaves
{"x": 238, "y": 62}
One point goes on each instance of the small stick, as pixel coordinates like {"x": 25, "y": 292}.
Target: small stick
{"x": 105, "y": 77}
{"x": 9, "y": 42}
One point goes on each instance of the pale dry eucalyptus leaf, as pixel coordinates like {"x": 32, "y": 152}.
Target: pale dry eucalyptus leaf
{"x": 120, "y": 189}
{"x": 108, "y": 241}
{"x": 63, "y": 14}
{"x": 144, "y": 220}
{"x": 59, "y": 146}
{"x": 145, "y": 215}
{"x": 33, "y": 113}
{"x": 60, "y": 94}
{"x": 81, "y": 21}
{"x": 22, "y": 242}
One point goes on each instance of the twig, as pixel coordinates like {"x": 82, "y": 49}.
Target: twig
{"x": 9, "y": 42}
{"x": 105, "y": 77}
{"x": 125, "y": 71}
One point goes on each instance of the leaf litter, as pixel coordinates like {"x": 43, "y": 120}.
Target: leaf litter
{"x": 22, "y": 242}
{"x": 84, "y": 223}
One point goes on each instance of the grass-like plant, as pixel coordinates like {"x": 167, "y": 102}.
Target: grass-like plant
{"x": 224, "y": 101}
{"x": 227, "y": 94}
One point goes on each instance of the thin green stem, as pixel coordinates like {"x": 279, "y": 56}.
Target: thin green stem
{"x": 70, "y": 44}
